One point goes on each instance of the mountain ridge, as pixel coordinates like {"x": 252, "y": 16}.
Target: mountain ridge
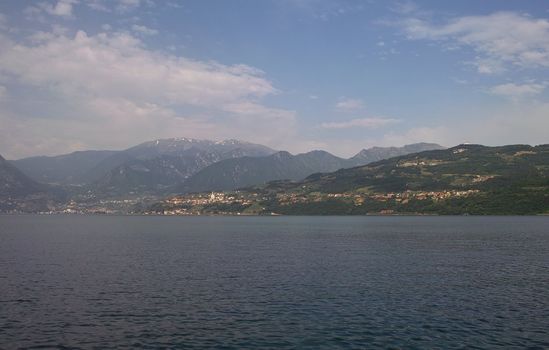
{"x": 86, "y": 167}
{"x": 376, "y": 153}
{"x": 465, "y": 179}
{"x": 172, "y": 165}
{"x": 20, "y": 193}
{"x": 246, "y": 171}
{"x": 243, "y": 172}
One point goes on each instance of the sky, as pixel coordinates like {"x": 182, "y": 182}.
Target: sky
{"x": 295, "y": 75}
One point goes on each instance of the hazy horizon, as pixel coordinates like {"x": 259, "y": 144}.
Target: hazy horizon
{"x": 293, "y": 75}
{"x": 276, "y": 150}
{"x": 190, "y": 138}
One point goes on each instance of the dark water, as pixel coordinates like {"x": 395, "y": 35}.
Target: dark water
{"x": 274, "y": 282}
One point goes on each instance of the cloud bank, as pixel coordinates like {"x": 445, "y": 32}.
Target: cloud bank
{"x": 500, "y": 39}
{"x": 111, "y": 86}
{"x": 517, "y": 90}
{"x": 349, "y": 104}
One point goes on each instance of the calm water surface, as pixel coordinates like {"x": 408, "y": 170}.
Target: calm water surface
{"x": 274, "y": 282}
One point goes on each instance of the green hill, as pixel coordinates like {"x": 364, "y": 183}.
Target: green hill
{"x": 248, "y": 171}
{"x": 242, "y": 172}
{"x": 466, "y": 179}
{"x": 469, "y": 179}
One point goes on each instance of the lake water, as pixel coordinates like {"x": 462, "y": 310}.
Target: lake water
{"x": 274, "y": 282}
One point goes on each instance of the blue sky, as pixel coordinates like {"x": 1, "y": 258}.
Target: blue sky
{"x": 291, "y": 74}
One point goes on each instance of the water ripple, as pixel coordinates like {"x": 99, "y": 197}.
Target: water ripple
{"x": 284, "y": 283}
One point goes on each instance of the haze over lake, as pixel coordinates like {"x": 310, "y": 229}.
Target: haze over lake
{"x": 274, "y": 282}
{"x": 275, "y": 174}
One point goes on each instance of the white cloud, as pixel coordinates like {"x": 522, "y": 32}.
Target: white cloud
{"x": 405, "y": 7}
{"x": 128, "y": 5}
{"x": 97, "y": 5}
{"x": 173, "y": 4}
{"x": 110, "y": 91}
{"x": 125, "y": 5}
{"x": 349, "y": 104}
{"x": 499, "y": 39}
{"x": 369, "y": 123}
{"x": 517, "y": 90}
{"x": 118, "y": 65}
{"x": 61, "y": 8}
{"x": 144, "y": 30}
{"x": 118, "y": 5}
{"x": 3, "y": 92}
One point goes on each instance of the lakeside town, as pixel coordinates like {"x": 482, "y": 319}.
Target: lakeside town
{"x": 253, "y": 203}
{"x": 239, "y": 202}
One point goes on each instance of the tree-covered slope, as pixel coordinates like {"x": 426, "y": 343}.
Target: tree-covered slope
{"x": 469, "y": 179}
{"x": 248, "y": 171}
{"x": 463, "y": 166}
{"x": 466, "y": 179}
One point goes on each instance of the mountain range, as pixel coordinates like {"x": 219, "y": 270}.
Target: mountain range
{"x": 375, "y": 154}
{"x": 161, "y": 165}
{"x": 19, "y": 192}
{"x": 14, "y": 183}
{"x": 466, "y": 179}
{"x": 248, "y": 171}
{"x": 188, "y": 165}
{"x": 85, "y": 167}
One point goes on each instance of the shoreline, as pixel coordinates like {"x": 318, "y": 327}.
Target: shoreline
{"x": 277, "y": 215}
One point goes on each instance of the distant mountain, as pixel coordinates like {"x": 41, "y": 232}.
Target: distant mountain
{"x": 70, "y": 168}
{"x": 105, "y": 166}
{"x": 85, "y": 167}
{"x": 247, "y": 171}
{"x": 242, "y": 172}
{"x": 156, "y": 166}
{"x": 161, "y": 166}
{"x": 183, "y": 146}
{"x": 375, "y": 154}
{"x": 19, "y": 192}
{"x": 152, "y": 175}
{"x": 13, "y": 183}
